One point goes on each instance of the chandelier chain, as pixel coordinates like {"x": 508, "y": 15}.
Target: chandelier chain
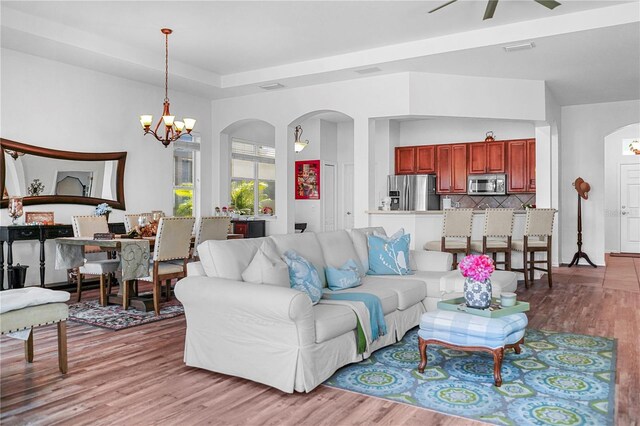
{"x": 166, "y": 67}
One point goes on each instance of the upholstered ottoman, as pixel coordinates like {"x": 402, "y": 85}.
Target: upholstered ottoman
{"x": 467, "y": 332}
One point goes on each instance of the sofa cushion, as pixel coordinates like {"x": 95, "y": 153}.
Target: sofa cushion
{"x": 337, "y": 248}
{"x": 228, "y": 258}
{"x": 389, "y": 257}
{"x": 333, "y": 321}
{"x": 388, "y": 297}
{"x": 266, "y": 269}
{"x": 303, "y": 276}
{"x": 360, "y": 244}
{"x": 306, "y": 245}
{"x": 345, "y": 277}
{"x": 409, "y": 292}
{"x": 430, "y": 279}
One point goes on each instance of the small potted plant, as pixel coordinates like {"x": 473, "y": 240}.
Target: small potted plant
{"x": 103, "y": 210}
{"x": 477, "y": 270}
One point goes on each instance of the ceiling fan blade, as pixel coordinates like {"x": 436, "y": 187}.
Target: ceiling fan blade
{"x": 551, "y": 4}
{"x": 491, "y": 8}
{"x": 443, "y": 5}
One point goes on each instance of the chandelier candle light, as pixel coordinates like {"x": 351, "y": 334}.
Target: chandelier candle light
{"x": 172, "y": 128}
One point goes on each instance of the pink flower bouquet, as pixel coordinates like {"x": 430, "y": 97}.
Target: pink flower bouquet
{"x": 478, "y": 268}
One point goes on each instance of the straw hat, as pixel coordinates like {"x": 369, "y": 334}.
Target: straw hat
{"x": 582, "y": 187}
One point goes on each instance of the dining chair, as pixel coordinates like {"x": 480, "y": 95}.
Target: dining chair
{"x": 211, "y": 228}
{"x": 456, "y": 234}
{"x": 86, "y": 227}
{"x": 538, "y": 231}
{"x": 131, "y": 220}
{"x": 498, "y": 228}
{"x": 173, "y": 242}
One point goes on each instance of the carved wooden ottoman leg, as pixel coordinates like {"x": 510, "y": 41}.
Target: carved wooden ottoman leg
{"x": 498, "y": 354}
{"x": 423, "y": 354}
{"x": 28, "y": 347}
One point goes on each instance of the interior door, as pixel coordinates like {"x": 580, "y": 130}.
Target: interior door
{"x": 330, "y": 204}
{"x": 347, "y": 196}
{"x": 630, "y": 208}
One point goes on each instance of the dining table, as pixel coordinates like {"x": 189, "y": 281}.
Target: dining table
{"x": 134, "y": 257}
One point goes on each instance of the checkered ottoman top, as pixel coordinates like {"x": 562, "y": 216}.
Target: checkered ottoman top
{"x": 460, "y": 328}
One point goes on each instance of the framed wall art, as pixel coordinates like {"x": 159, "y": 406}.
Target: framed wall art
{"x": 44, "y": 218}
{"x": 308, "y": 180}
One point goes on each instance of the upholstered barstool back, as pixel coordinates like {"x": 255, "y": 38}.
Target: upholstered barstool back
{"x": 173, "y": 240}
{"x": 498, "y": 227}
{"x": 213, "y": 228}
{"x": 456, "y": 233}
{"x": 538, "y": 231}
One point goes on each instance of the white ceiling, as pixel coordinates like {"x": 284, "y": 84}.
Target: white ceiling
{"x": 588, "y": 51}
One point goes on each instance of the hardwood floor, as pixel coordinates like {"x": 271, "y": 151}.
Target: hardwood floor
{"x": 137, "y": 376}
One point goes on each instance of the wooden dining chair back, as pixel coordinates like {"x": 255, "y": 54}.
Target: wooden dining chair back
{"x": 212, "y": 228}
{"x": 86, "y": 227}
{"x": 538, "y": 231}
{"x": 496, "y": 238}
{"x": 173, "y": 242}
{"x": 456, "y": 234}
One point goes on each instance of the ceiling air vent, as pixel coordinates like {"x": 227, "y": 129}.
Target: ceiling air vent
{"x": 271, "y": 86}
{"x": 368, "y": 70}
{"x": 521, "y": 46}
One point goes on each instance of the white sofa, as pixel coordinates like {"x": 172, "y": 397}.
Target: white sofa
{"x": 273, "y": 334}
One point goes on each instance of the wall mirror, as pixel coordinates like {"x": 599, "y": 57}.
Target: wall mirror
{"x": 49, "y": 176}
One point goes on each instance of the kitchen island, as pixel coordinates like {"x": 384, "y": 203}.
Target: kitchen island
{"x": 427, "y": 226}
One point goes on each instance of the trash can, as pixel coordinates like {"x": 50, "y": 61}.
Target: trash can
{"x": 17, "y": 275}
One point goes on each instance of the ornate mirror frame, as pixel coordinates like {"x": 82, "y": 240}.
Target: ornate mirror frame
{"x": 120, "y": 157}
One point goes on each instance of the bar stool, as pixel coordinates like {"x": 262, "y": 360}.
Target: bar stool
{"x": 87, "y": 226}
{"x": 455, "y": 226}
{"x": 538, "y": 231}
{"x": 498, "y": 228}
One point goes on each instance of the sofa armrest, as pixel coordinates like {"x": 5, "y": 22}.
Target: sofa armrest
{"x": 256, "y": 312}
{"x": 195, "y": 269}
{"x": 423, "y": 260}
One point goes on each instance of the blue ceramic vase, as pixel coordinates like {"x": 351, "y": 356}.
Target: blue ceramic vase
{"x": 477, "y": 294}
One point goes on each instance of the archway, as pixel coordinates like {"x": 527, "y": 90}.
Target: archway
{"x": 617, "y": 156}
{"x": 330, "y": 136}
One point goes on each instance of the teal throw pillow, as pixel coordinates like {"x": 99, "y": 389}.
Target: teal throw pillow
{"x": 345, "y": 277}
{"x": 303, "y": 276}
{"x": 389, "y": 256}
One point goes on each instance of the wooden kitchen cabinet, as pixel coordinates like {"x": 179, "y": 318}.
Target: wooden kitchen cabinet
{"x": 486, "y": 157}
{"x": 425, "y": 159}
{"x": 405, "y": 160}
{"x": 451, "y": 168}
{"x": 521, "y": 167}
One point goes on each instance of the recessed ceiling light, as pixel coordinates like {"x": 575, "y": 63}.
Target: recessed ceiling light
{"x": 272, "y": 86}
{"x": 368, "y": 70}
{"x": 521, "y": 46}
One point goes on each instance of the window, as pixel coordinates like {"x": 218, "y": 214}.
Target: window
{"x": 253, "y": 177}
{"x": 186, "y": 156}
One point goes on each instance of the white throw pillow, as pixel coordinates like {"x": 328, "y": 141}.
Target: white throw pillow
{"x": 266, "y": 269}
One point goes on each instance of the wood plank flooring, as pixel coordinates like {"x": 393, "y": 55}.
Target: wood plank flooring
{"x": 137, "y": 376}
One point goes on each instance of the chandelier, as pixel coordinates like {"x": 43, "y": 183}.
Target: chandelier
{"x": 299, "y": 144}
{"x": 172, "y": 128}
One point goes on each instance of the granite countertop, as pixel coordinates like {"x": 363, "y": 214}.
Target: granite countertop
{"x": 429, "y": 212}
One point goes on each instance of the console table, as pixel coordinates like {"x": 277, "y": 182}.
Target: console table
{"x": 12, "y": 233}
{"x": 249, "y": 228}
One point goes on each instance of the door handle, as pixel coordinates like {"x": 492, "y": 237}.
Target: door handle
{"x": 623, "y": 213}
{"x": 348, "y": 213}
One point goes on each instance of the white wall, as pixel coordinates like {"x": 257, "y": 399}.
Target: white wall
{"x": 437, "y": 130}
{"x": 584, "y": 128}
{"x": 613, "y": 158}
{"x": 50, "y": 104}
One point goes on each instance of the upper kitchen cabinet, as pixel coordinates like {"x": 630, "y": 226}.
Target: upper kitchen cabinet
{"x": 405, "y": 160}
{"x": 486, "y": 157}
{"x": 425, "y": 159}
{"x": 521, "y": 158}
{"x": 451, "y": 168}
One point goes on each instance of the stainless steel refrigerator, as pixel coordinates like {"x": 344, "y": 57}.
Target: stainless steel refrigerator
{"x": 414, "y": 192}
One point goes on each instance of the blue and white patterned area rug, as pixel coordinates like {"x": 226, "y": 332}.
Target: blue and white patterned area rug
{"x": 558, "y": 379}
{"x": 114, "y": 317}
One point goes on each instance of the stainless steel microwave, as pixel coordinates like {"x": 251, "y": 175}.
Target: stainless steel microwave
{"x": 487, "y": 185}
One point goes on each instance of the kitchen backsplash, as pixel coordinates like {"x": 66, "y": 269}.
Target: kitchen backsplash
{"x": 491, "y": 201}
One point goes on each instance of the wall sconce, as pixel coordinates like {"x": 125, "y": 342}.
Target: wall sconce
{"x": 298, "y": 144}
